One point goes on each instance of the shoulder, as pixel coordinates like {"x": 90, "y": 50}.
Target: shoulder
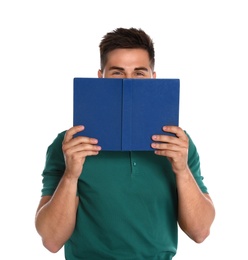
{"x": 193, "y": 155}
{"x": 192, "y": 145}
{"x": 56, "y": 145}
{"x": 59, "y": 138}
{"x": 61, "y": 135}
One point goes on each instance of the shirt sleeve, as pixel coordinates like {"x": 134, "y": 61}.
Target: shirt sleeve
{"x": 54, "y": 166}
{"x": 194, "y": 165}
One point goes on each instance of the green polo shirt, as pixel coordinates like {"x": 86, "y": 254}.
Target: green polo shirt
{"x": 128, "y": 204}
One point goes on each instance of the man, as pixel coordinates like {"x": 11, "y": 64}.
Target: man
{"x": 123, "y": 205}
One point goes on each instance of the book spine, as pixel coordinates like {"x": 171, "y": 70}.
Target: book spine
{"x": 127, "y": 115}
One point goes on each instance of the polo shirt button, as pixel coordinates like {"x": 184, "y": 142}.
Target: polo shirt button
{"x": 134, "y": 163}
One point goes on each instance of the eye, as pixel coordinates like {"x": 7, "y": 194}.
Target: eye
{"x": 116, "y": 73}
{"x": 140, "y": 74}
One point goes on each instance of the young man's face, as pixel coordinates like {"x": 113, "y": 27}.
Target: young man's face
{"x": 127, "y": 63}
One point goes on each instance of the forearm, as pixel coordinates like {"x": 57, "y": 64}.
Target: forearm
{"x": 195, "y": 209}
{"x": 55, "y": 220}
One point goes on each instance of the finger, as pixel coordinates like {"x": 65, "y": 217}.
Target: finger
{"x": 178, "y": 131}
{"x": 180, "y": 135}
{"x": 167, "y": 153}
{"x": 166, "y": 139}
{"x": 84, "y": 140}
{"x": 81, "y": 151}
{"x": 80, "y": 143}
{"x": 72, "y": 131}
{"x": 166, "y": 146}
{"x": 85, "y": 147}
{"x": 87, "y": 153}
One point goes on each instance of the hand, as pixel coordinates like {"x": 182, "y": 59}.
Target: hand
{"x": 175, "y": 148}
{"x": 76, "y": 149}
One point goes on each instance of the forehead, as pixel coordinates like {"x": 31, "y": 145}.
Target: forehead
{"x": 122, "y": 57}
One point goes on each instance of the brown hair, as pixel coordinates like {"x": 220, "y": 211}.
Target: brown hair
{"x": 122, "y": 38}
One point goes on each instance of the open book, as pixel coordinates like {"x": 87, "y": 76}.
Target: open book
{"x": 123, "y": 114}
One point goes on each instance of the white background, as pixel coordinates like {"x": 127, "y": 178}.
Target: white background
{"x": 44, "y": 44}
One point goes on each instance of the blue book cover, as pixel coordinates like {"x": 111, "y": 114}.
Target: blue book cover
{"x": 123, "y": 114}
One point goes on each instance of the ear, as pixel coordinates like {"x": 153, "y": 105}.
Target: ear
{"x": 100, "y": 74}
{"x": 154, "y": 75}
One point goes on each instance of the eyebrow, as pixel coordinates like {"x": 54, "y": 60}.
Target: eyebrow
{"x": 122, "y": 69}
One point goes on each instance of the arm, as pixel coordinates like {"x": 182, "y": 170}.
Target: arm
{"x": 56, "y": 215}
{"x": 196, "y": 211}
